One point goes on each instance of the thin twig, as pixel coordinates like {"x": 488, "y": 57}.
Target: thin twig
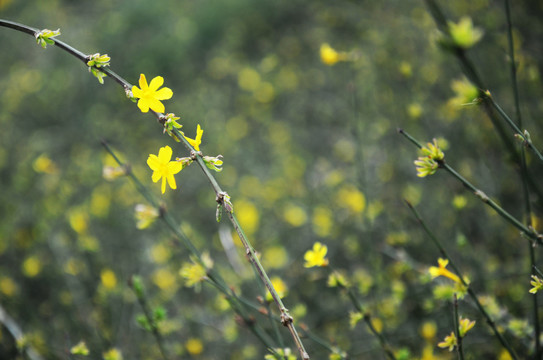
{"x": 286, "y": 319}
{"x": 481, "y": 195}
{"x": 471, "y": 293}
{"x": 524, "y": 172}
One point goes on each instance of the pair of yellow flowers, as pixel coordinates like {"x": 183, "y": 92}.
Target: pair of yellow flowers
{"x": 150, "y": 97}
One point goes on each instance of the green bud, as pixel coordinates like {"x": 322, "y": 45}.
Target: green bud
{"x": 44, "y": 37}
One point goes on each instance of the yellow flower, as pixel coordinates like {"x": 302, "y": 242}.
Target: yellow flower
{"x": 113, "y": 354}
{"x": 465, "y": 325}
{"x": 164, "y": 168}
{"x": 464, "y": 34}
{"x": 149, "y": 95}
{"x": 329, "y": 56}
{"x": 80, "y": 349}
{"x": 198, "y": 140}
{"x": 193, "y": 273}
{"x": 194, "y": 346}
{"x": 425, "y": 166}
{"x": 449, "y": 342}
{"x": 109, "y": 280}
{"x": 537, "y": 284}
{"x": 316, "y": 256}
{"x": 442, "y": 271}
{"x": 145, "y": 216}
{"x": 433, "y": 151}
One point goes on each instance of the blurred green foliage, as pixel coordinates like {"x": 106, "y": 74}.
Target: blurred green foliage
{"x": 311, "y": 154}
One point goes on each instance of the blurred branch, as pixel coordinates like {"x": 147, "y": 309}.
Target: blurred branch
{"x": 530, "y": 233}
{"x": 18, "y": 335}
{"x": 471, "y": 293}
{"x": 524, "y": 171}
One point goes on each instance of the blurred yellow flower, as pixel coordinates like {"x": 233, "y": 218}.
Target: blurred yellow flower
{"x": 194, "y": 346}
{"x": 80, "y": 349}
{"x": 279, "y": 286}
{"x": 32, "y": 266}
{"x": 113, "y": 354}
{"x": 7, "y": 286}
{"x": 537, "y": 284}
{"x": 443, "y": 271}
{"x": 113, "y": 172}
{"x": 464, "y": 325}
{"x": 43, "y": 164}
{"x": 354, "y": 318}
{"x": 164, "y": 279}
{"x": 464, "y": 34}
{"x": 164, "y": 168}
{"x": 193, "y": 273}
{"x": 329, "y": 56}
{"x": 294, "y": 215}
{"x": 449, "y": 342}
{"x": 351, "y": 198}
{"x": 150, "y": 96}
{"x": 322, "y": 221}
{"x": 428, "y": 330}
{"x": 248, "y": 216}
{"x": 316, "y": 256}
{"x": 145, "y": 215}
{"x": 195, "y": 143}
{"x": 465, "y": 93}
{"x": 109, "y": 280}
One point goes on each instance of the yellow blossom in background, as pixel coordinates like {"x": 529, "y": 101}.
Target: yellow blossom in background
{"x": 274, "y": 257}
{"x": 163, "y": 168}
{"x": 194, "y": 346}
{"x": 145, "y": 215}
{"x": 43, "y": 164}
{"x": 248, "y": 216}
{"x": 79, "y": 220}
{"x": 294, "y": 215}
{"x": 329, "y": 56}
{"x": 109, "y": 280}
{"x": 464, "y": 34}
{"x": 464, "y": 325}
{"x": 164, "y": 279}
{"x": 7, "y": 286}
{"x": 111, "y": 173}
{"x": 113, "y": 354}
{"x": 443, "y": 271}
{"x": 537, "y": 284}
{"x": 80, "y": 349}
{"x": 351, "y": 198}
{"x": 337, "y": 278}
{"x": 465, "y": 93}
{"x": 193, "y": 273}
{"x": 32, "y": 266}
{"x": 316, "y": 256}
{"x": 322, "y": 221}
{"x": 285, "y": 353}
{"x": 504, "y": 355}
{"x": 279, "y": 286}
{"x": 195, "y": 143}
{"x": 160, "y": 253}
{"x": 354, "y": 318}
{"x": 150, "y": 96}
{"x": 428, "y": 330}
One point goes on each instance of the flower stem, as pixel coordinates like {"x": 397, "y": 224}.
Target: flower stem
{"x": 471, "y": 293}
{"x": 524, "y": 171}
{"x": 481, "y": 195}
{"x": 459, "y": 348}
{"x": 286, "y": 319}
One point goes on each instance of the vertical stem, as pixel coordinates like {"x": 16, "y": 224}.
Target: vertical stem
{"x": 524, "y": 172}
{"x": 457, "y": 328}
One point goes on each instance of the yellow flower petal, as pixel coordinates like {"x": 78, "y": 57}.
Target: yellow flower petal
{"x": 156, "y": 83}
